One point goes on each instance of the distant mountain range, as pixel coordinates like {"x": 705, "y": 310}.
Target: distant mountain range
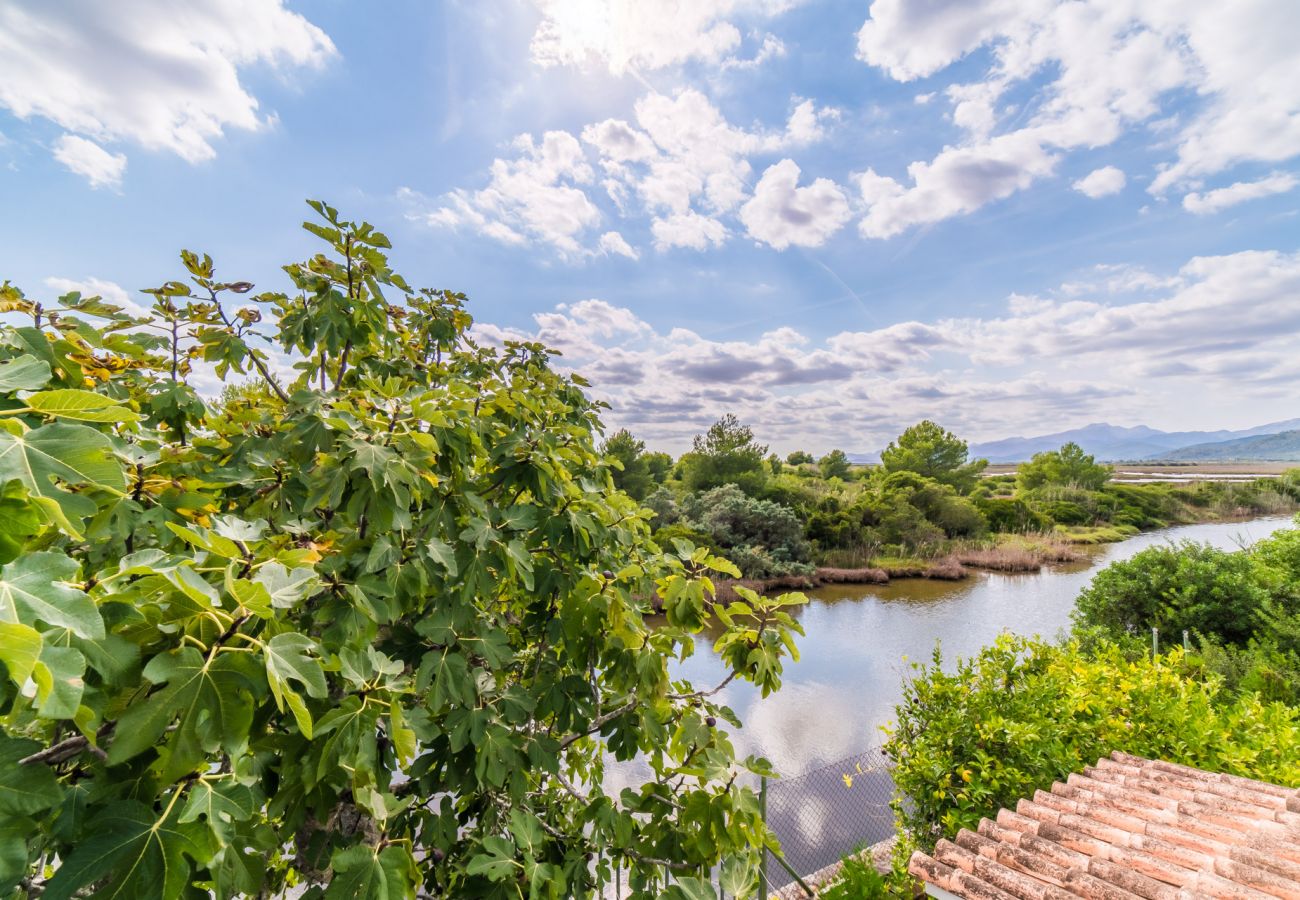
{"x": 1115, "y": 442}
{"x": 1281, "y": 447}
{"x": 1275, "y": 441}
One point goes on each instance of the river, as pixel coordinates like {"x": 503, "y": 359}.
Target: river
{"x": 826, "y": 720}
{"x": 859, "y": 640}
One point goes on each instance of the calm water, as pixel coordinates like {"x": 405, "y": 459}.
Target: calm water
{"x": 860, "y": 638}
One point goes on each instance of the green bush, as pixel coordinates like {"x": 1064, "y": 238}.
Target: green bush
{"x": 1024, "y": 713}
{"x": 763, "y": 538}
{"x": 1069, "y": 465}
{"x": 1008, "y": 514}
{"x": 1188, "y": 586}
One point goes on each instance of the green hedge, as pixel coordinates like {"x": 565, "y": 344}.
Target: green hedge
{"x": 1025, "y": 713}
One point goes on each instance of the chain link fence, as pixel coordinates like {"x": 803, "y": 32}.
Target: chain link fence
{"x": 820, "y": 817}
{"x": 827, "y": 813}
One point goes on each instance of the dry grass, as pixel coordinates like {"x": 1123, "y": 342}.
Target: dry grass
{"x": 1000, "y": 559}
{"x": 865, "y": 575}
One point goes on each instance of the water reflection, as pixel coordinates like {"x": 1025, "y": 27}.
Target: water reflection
{"x": 861, "y": 638}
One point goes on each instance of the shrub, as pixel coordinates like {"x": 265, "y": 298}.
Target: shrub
{"x": 769, "y": 537}
{"x": 1069, "y": 465}
{"x": 1024, "y": 713}
{"x": 1175, "y": 587}
{"x": 929, "y": 450}
{"x": 1007, "y": 514}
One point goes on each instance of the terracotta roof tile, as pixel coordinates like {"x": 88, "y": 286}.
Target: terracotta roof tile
{"x": 1130, "y": 827}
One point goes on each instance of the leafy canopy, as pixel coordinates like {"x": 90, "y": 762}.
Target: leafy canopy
{"x": 373, "y": 623}
{"x": 726, "y": 454}
{"x": 1067, "y": 466}
{"x": 928, "y": 449}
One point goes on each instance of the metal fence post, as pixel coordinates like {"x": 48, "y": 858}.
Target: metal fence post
{"x": 1155, "y": 642}
{"x": 762, "y": 811}
{"x": 1185, "y": 647}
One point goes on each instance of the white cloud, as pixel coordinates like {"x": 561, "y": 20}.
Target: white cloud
{"x": 629, "y": 35}
{"x": 959, "y": 180}
{"x": 780, "y": 213}
{"x": 535, "y": 196}
{"x": 688, "y": 229}
{"x": 1101, "y": 182}
{"x": 613, "y": 243}
{"x": 680, "y": 161}
{"x": 97, "y": 287}
{"x": 1095, "y": 69}
{"x": 1125, "y": 344}
{"x": 91, "y": 161}
{"x": 1222, "y": 198}
{"x": 163, "y": 76}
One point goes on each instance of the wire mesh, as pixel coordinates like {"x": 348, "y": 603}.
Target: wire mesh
{"x": 826, "y": 814}
{"x": 820, "y": 817}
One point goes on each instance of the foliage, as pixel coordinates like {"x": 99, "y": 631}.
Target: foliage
{"x": 1210, "y": 592}
{"x": 800, "y": 458}
{"x": 762, "y": 538}
{"x": 632, "y": 475}
{"x": 663, "y": 504}
{"x": 1069, "y": 465}
{"x": 658, "y": 465}
{"x": 834, "y": 465}
{"x": 373, "y": 631}
{"x": 1024, "y": 713}
{"x": 1011, "y": 515}
{"x": 726, "y": 454}
{"x": 858, "y": 879}
{"x": 929, "y": 450}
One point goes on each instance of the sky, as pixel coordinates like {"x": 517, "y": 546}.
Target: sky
{"x": 830, "y": 218}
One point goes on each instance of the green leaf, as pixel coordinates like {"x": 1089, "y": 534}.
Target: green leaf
{"x": 33, "y": 588}
{"x": 361, "y": 873}
{"x": 14, "y": 852}
{"x": 73, "y": 454}
{"x": 59, "y": 681}
{"x": 86, "y": 406}
{"x": 208, "y": 698}
{"x": 26, "y": 373}
{"x": 135, "y": 855}
{"x": 207, "y": 540}
{"x": 287, "y": 587}
{"x": 25, "y": 789}
{"x": 498, "y": 863}
{"x": 289, "y": 658}
{"x": 20, "y": 520}
{"x": 220, "y": 804}
{"x": 20, "y": 647}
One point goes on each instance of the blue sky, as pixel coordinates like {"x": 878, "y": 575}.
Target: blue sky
{"x": 830, "y": 218}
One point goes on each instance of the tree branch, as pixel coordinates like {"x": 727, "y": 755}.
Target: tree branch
{"x": 599, "y": 722}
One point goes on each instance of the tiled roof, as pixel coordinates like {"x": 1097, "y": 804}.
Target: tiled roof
{"x": 1130, "y": 827}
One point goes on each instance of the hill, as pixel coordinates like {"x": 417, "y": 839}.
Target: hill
{"x": 1116, "y": 442}
{"x": 1283, "y": 447}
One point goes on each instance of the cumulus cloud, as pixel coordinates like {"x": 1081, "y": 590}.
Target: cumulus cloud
{"x": 688, "y": 229}
{"x": 781, "y": 213}
{"x": 1094, "y": 70}
{"x": 623, "y": 35}
{"x": 1221, "y": 198}
{"x": 959, "y": 180}
{"x": 1101, "y": 182}
{"x": 1120, "y": 343}
{"x": 534, "y": 197}
{"x": 679, "y": 161}
{"x": 91, "y": 161}
{"x": 97, "y": 287}
{"x": 613, "y": 244}
{"x": 149, "y": 72}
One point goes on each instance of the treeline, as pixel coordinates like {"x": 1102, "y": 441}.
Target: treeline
{"x": 775, "y": 517}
